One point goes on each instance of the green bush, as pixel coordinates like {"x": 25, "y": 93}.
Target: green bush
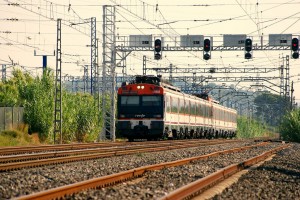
{"x": 80, "y": 117}
{"x": 290, "y": 126}
{"x": 39, "y": 105}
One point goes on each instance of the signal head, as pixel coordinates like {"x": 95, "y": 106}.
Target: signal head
{"x": 157, "y": 45}
{"x": 248, "y": 44}
{"x": 295, "y": 44}
{"x": 206, "y": 46}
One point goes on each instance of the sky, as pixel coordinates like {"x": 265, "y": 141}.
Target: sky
{"x": 28, "y": 30}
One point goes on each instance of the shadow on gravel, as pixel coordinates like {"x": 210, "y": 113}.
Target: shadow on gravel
{"x": 287, "y": 172}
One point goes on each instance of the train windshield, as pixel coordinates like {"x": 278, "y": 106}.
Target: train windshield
{"x": 140, "y": 100}
{"x": 148, "y": 106}
{"x": 130, "y": 101}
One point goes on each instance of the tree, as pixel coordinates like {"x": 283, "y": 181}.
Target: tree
{"x": 12, "y": 90}
{"x": 271, "y": 108}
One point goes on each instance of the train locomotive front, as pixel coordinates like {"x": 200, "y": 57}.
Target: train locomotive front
{"x": 141, "y": 109}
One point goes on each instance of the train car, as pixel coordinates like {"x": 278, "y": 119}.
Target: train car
{"x": 151, "y": 109}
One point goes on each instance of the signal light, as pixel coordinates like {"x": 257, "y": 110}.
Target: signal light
{"x": 157, "y": 49}
{"x": 157, "y": 56}
{"x": 206, "y": 45}
{"x": 248, "y": 48}
{"x": 295, "y": 44}
{"x": 295, "y": 48}
{"x": 206, "y": 56}
{"x": 295, "y": 55}
{"x": 206, "y": 49}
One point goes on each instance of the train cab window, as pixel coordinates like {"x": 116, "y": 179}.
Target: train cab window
{"x": 151, "y": 100}
{"x": 129, "y": 100}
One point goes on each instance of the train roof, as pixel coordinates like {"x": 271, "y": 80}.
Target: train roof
{"x": 157, "y": 80}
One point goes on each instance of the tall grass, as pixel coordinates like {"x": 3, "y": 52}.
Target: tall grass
{"x": 250, "y": 128}
{"x": 17, "y": 138}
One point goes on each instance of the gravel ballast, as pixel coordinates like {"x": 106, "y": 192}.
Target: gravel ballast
{"x": 278, "y": 178}
{"x": 28, "y": 181}
{"x": 156, "y": 184}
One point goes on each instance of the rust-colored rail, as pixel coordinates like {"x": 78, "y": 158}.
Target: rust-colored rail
{"x": 40, "y": 148}
{"x": 98, "y": 154}
{"x": 121, "y": 176}
{"x": 64, "y": 147}
{"x": 196, "y": 186}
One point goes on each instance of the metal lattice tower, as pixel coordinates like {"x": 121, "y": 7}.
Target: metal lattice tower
{"x": 287, "y": 76}
{"x": 85, "y": 78}
{"x": 3, "y": 73}
{"x": 281, "y": 80}
{"x": 94, "y": 64}
{"x": 108, "y": 73}
{"x": 171, "y": 73}
{"x": 58, "y": 91}
{"x": 144, "y": 64}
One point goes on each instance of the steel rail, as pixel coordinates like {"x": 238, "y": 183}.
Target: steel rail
{"x": 104, "y": 181}
{"x": 39, "y": 148}
{"x": 196, "y": 187}
{"x": 34, "y": 163}
{"x": 24, "y": 157}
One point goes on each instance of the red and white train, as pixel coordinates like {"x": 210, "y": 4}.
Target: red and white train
{"x": 150, "y": 109}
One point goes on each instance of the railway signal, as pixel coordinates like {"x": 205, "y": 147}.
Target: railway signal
{"x": 295, "y": 48}
{"x": 248, "y": 48}
{"x": 206, "y": 49}
{"x": 157, "y": 49}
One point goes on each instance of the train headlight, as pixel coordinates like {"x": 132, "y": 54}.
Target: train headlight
{"x": 138, "y": 87}
{"x": 142, "y": 87}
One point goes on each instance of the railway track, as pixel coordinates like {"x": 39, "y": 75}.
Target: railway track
{"x": 138, "y": 172}
{"x": 63, "y": 147}
{"x": 40, "y": 159}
